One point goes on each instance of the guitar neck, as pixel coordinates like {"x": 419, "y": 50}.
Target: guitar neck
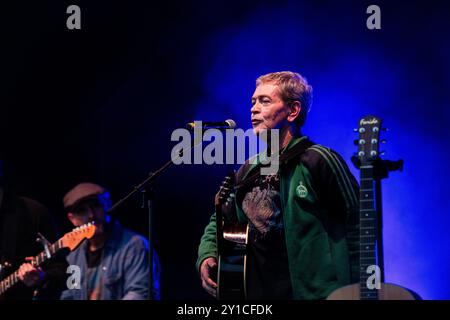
{"x": 219, "y": 227}
{"x": 368, "y": 217}
{"x": 13, "y": 278}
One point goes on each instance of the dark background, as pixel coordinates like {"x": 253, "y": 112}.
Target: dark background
{"x": 99, "y": 104}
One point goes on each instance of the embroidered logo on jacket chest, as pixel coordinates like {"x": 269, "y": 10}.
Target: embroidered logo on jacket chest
{"x": 301, "y": 190}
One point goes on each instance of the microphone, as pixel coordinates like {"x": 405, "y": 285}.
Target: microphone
{"x": 221, "y": 125}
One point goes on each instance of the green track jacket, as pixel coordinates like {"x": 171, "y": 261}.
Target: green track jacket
{"x": 320, "y": 207}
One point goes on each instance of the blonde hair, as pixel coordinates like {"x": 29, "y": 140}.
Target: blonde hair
{"x": 292, "y": 87}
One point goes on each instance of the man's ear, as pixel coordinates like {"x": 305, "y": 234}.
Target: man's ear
{"x": 71, "y": 217}
{"x": 295, "y": 109}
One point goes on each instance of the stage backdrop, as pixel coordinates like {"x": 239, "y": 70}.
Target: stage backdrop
{"x": 99, "y": 104}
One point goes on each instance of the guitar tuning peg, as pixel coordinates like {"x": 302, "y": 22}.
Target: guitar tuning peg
{"x": 355, "y": 130}
{"x": 383, "y": 141}
{"x": 383, "y": 153}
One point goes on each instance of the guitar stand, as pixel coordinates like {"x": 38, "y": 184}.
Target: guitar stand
{"x": 382, "y": 167}
{"x": 45, "y": 243}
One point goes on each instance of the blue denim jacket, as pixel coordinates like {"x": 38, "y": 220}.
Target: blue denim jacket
{"x": 124, "y": 268}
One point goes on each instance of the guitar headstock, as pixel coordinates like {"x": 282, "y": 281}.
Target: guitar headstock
{"x": 225, "y": 199}
{"x": 369, "y": 140}
{"x": 72, "y": 239}
{"x": 226, "y": 188}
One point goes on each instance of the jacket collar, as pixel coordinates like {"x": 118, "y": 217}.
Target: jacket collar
{"x": 263, "y": 155}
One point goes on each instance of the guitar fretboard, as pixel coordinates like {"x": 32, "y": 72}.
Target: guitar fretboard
{"x": 13, "y": 278}
{"x": 368, "y": 230}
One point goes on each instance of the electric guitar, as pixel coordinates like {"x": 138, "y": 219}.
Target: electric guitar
{"x": 372, "y": 170}
{"x": 231, "y": 245}
{"x": 70, "y": 240}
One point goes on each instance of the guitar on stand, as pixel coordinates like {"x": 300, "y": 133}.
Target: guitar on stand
{"x": 372, "y": 170}
{"x": 70, "y": 240}
{"x": 231, "y": 245}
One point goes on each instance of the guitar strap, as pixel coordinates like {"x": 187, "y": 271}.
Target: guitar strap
{"x": 285, "y": 159}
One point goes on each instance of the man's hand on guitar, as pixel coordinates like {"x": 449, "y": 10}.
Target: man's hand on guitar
{"x": 30, "y": 275}
{"x": 208, "y": 267}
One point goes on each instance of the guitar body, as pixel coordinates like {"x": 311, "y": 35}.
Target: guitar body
{"x": 231, "y": 245}
{"x": 232, "y": 264}
{"x": 386, "y": 292}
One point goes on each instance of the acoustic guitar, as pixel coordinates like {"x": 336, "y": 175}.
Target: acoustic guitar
{"x": 231, "y": 245}
{"x": 232, "y": 236}
{"x": 372, "y": 170}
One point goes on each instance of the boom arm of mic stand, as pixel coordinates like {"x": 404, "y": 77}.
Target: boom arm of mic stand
{"x": 148, "y": 206}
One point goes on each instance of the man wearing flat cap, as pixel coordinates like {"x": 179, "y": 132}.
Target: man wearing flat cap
{"x": 114, "y": 262}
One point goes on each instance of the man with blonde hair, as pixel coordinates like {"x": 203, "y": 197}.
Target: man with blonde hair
{"x": 303, "y": 237}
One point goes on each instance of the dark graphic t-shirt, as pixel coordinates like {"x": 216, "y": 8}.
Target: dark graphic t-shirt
{"x": 94, "y": 274}
{"x": 267, "y": 264}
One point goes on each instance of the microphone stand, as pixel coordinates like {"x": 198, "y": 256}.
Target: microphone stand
{"x": 146, "y": 190}
{"x": 147, "y": 193}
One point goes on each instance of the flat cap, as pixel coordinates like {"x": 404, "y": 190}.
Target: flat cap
{"x": 80, "y": 192}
